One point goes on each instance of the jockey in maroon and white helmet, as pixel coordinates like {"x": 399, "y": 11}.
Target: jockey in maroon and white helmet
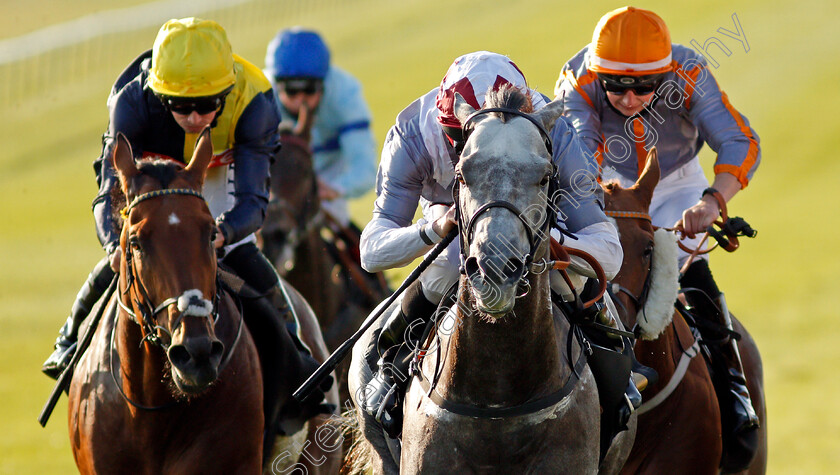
{"x": 418, "y": 166}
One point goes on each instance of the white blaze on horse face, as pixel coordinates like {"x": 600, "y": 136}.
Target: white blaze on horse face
{"x": 173, "y": 219}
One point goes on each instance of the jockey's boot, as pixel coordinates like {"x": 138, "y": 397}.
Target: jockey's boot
{"x": 739, "y": 420}
{"x": 399, "y": 336}
{"x": 65, "y": 345}
{"x": 269, "y": 319}
{"x": 612, "y": 359}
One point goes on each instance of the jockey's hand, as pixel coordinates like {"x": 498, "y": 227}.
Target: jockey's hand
{"x": 445, "y": 223}
{"x": 115, "y": 258}
{"x": 326, "y": 192}
{"x": 697, "y": 218}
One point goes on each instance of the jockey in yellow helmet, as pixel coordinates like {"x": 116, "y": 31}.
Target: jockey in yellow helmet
{"x": 163, "y": 100}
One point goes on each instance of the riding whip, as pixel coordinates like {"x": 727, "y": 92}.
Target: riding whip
{"x": 341, "y": 352}
{"x": 64, "y": 379}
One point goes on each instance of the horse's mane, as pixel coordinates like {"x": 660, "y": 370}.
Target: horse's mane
{"x": 509, "y": 97}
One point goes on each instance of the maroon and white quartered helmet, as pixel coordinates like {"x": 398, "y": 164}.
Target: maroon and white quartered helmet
{"x": 472, "y": 76}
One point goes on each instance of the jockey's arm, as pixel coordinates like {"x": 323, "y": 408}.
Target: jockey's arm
{"x": 358, "y": 152}
{"x": 355, "y": 139}
{"x": 581, "y": 209}
{"x": 256, "y": 143}
{"x": 127, "y": 116}
{"x": 729, "y": 134}
{"x": 390, "y": 239}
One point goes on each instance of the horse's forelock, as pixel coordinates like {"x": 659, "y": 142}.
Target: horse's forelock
{"x": 509, "y": 97}
{"x": 164, "y": 171}
{"x": 612, "y": 185}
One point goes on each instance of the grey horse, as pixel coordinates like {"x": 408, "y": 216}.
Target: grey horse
{"x": 496, "y": 391}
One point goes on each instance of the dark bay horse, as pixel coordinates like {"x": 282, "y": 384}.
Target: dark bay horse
{"x": 679, "y": 426}
{"x": 312, "y": 251}
{"x": 502, "y": 388}
{"x": 171, "y": 382}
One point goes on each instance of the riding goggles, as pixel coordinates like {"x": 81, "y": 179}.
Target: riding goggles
{"x": 640, "y": 85}
{"x": 295, "y": 86}
{"x": 186, "y": 105}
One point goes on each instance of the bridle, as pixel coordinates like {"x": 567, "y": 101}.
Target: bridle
{"x": 303, "y": 225}
{"x": 614, "y": 288}
{"x": 465, "y": 235}
{"x": 466, "y": 229}
{"x": 148, "y": 311}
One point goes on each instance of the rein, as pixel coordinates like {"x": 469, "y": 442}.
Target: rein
{"x": 687, "y": 354}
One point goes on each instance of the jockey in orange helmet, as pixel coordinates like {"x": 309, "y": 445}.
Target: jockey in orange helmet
{"x": 631, "y": 89}
{"x": 418, "y": 166}
{"x": 164, "y": 99}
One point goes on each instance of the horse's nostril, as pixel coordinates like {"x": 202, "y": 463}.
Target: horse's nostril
{"x": 471, "y": 266}
{"x": 178, "y": 355}
{"x": 217, "y": 348}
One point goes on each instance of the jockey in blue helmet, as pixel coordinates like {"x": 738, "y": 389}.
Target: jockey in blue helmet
{"x": 298, "y": 64}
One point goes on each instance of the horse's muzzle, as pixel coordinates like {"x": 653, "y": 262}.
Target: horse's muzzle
{"x": 494, "y": 280}
{"x": 195, "y": 362}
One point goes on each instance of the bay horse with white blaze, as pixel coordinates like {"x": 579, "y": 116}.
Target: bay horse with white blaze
{"x": 504, "y": 387}
{"x": 679, "y": 424}
{"x": 172, "y": 380}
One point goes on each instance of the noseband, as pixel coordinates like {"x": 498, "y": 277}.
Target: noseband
{"x": 148, "y": 311}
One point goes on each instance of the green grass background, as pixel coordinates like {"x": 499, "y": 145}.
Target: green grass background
{"x": 781, "y": 284}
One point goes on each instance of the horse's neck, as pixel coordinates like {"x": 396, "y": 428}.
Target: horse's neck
{"x": 672, "y": 342}
{"x": 505, "y": 362}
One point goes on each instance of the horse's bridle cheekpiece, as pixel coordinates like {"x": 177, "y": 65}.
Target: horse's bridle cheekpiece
{"x": 149, "y": 313}
{"x": 465, "y": 236}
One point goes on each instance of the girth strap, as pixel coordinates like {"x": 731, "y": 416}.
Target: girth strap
{"x": 529, "y": 407}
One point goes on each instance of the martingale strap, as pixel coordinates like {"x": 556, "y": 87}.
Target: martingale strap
{"x": 502, "y": 412}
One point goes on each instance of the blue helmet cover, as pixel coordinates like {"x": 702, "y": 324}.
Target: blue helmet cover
{"x": 297, "y": 53}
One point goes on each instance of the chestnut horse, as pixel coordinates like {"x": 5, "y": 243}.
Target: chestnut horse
{"x": 328, "y": 275}
{"x": 172, "y": 382}
{"x": 679, "y": 427}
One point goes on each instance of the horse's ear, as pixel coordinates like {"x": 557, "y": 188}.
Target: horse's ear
{"x": 549, "y": 114}
{"x": 122, "y": 158}
{"x": 306, "y": 118}
{"x": 463, "y": 109}
{"x": 201, "y": 158}
{"x": 649, "y": 177}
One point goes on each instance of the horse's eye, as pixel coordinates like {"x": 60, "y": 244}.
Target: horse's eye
{"x": 648, "y": 250}
{"x": 459, "y": 177}
{"x": 544, "y": 181}
{"x": 134, "y": 244}
{"x": 213, "y": 235}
